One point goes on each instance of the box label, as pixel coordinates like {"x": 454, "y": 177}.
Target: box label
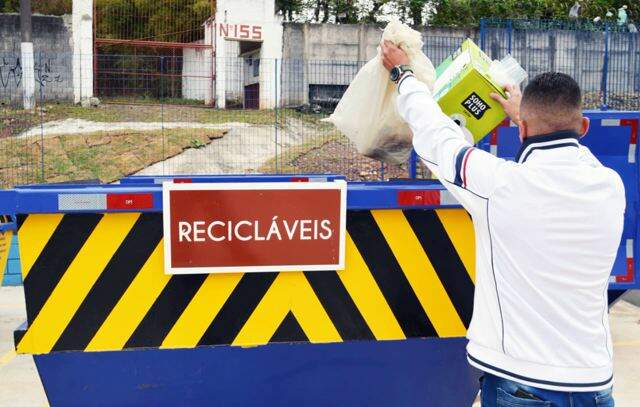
{"x": 248, "y": 227}
{"x": 475, "y": 105}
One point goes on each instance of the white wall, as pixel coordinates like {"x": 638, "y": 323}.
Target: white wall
{"x": 197, "y": 74}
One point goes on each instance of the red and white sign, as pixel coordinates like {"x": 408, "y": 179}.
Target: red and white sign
{"x": 244, "y": 32}
{"x": 249, "y": 227}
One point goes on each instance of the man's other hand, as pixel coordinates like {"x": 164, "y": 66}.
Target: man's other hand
{"x": 392, "y": 55}
{"x": 511, "y": 105}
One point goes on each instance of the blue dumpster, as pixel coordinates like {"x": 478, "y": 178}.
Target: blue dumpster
{"x": 107, "y": 326}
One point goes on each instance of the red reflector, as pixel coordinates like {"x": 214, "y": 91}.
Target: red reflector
{"x": 634, "y": 129}
{"x": 182, "y": 181}
{"x": 418, "y": 198}
{"x": 299, "y": 179}
{"x": 627, "y": 278}
{"x": 129, "y": 201}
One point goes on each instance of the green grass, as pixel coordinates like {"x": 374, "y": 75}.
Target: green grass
{"x": 107, "y": 156}
{"x": 15, "y": 121}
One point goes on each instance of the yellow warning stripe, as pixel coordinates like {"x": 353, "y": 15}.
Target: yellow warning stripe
{"x": 34, "y": 234}
{"x": 289, "y": 292}
{"x": 366, "y": 295}
{"x": 201, "y": 311}
{"x": 459, "y": 227}
{"x": 5, "y": 247}
{"x": 420, "y": 272}
{"x": 75, "y": 284}
{"x": 133, "y": 305}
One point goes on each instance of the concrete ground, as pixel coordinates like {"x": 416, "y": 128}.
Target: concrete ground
{"x": 20, "y": 384}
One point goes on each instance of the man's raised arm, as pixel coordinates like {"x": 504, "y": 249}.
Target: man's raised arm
{"x": 437, "y": 139}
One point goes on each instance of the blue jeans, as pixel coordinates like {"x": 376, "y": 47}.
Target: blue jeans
{"x": 499, "y": 392}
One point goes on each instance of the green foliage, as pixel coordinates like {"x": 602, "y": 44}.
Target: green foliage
{"x": 469, "y": 12}
{"x": 179, "y": 20}
{"x": 196, "y": 143}
{"x": 289, "y": 8}
{"x": 9, "y": 6}
{"x": 166, "y": 20}
{"x": 48, "y": 7}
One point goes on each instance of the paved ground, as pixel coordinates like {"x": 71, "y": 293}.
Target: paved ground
{"x": 20, "y": 385}
{"x": 243, "y": 149}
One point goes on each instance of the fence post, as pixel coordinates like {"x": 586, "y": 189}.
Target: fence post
{"x": 275, "y": 108}
{"x": 162, "y": 113}
{"x": 413, "y": 167}
{"x": 509, "y": 34}
{"x": 482, "y": 33}
{"x": 42, "y": 149}
{"x": 605, "y": 69}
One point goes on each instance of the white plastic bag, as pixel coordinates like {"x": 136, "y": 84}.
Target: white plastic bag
{"x": 367, "y": 112}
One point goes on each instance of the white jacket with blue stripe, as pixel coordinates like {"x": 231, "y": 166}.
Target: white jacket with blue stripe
{"x": 547, "y": 229}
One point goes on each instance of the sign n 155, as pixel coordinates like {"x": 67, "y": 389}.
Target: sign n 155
{"x": 246, "y": 32}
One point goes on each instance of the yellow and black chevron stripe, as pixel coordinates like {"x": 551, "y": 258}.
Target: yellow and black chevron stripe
{"x": 5, "y": 246}
{"x": 96, "y": 282}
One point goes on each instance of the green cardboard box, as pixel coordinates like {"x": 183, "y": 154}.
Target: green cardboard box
{"x": 462, "y": 89}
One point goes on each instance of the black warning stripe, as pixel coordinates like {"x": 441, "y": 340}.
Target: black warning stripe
{"x": 20, "y": 221}
{"x": 165, "y": 311}
{"x": 114, "y": 280}
{"x": 289, "y": 331}
{"x": 445, "y": 259}
{"x": 236, "y": 310}
{"x": 54, "y": 260}
{"x": 390, "y": 278}
{"x": 338, "y": 304}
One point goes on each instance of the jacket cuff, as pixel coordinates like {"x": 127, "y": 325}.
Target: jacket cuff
{"x": 409, "y": 83}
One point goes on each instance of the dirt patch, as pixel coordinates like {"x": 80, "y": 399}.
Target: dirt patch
{"x": 81, "y": 126}
{"x": 247, "y": 149}
{"x": 107, "y": 156}
{"x": 339, "y": 156}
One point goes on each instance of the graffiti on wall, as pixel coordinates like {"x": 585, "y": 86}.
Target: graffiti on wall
{"x": 44, "y": 73}
{"x": 11, "y": 72}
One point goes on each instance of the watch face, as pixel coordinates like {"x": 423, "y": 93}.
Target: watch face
{"x": 395, "y": 73}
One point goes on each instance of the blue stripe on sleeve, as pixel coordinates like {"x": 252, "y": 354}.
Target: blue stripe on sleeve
{"x": 459, "y": 160}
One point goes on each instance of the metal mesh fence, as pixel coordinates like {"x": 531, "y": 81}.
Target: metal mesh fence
{"x": 185, "y": 112}
{"x": 602, "y": 57}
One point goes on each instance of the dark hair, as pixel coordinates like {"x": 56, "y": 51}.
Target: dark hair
{"x": 553, "y": 90}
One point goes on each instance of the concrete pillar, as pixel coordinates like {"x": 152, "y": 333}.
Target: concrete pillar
{"x": 208, "y": 69}
{"x": 26, "y": 56}
{"x": 28, "y": 75}
{"x": 82, "y": 23}
{"x": 306, "y": 56}
{"x": 362, "y": 42}
{"x": 271, "y": 65}
{"x": 220, "y": 71}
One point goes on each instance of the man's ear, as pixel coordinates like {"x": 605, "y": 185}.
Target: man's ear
{"x": 584, "y": 126}
{"x": 522, "y": 129}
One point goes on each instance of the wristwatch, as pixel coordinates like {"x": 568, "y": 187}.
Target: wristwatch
{"x": 399, "y": 70}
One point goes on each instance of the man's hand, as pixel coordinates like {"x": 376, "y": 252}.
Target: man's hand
{"x": 392, "y": 55}
{"x": 511, "y": 105}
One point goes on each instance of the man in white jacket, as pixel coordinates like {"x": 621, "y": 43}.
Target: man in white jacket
{"x": 547, "y": 228}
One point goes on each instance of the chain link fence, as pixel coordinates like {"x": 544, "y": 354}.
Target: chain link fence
{"x": 603, "y": 58}
{"x": 188, "y": 113}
